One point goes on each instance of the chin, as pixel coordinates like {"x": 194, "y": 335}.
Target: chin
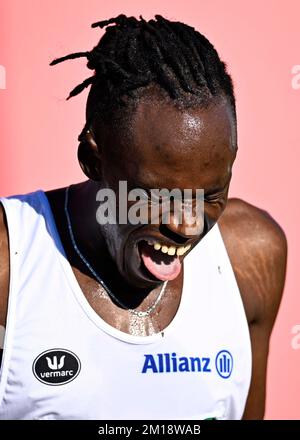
{"x": 137, "y": 278}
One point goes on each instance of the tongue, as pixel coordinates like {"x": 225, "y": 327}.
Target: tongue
{"x": 162, "y": 266}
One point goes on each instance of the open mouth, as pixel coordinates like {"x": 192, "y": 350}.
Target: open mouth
{"x": 163, "y": 262}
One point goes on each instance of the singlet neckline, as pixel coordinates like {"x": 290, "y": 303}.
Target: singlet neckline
{"x": 85, "y": 305}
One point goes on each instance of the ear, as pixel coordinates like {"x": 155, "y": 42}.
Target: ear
{"x": 89, "y": 156}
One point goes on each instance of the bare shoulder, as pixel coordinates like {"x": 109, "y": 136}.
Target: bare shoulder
{"x": 257, "y": 227}
{"x": 257, "y": 248}
{"x": 4, "y": 266}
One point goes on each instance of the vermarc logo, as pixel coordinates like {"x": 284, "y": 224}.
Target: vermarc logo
{"x": 56, "y": 366}
{"x": 52, "y": 363}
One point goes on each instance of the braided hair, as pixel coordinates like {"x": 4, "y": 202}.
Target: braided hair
{"x": 134, "y": 54}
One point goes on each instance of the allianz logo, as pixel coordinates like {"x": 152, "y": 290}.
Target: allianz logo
{"x": 172, "y": 363}
{"x": 56, "y": 367}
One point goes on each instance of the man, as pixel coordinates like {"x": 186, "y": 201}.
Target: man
{"x": 142, "y": 320}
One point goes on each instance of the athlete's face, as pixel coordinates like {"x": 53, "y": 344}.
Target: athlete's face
{"x": 164, "y": 147}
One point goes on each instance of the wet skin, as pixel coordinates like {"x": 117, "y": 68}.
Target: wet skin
{"x": 163, "y": 147}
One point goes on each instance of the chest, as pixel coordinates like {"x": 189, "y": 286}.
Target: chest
{"x": 129, "y": 322}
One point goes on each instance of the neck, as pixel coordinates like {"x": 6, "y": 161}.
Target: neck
{"x": 81, "y": 208}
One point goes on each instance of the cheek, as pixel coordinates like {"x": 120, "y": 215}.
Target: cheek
{"x": 111, "y": 235}
{"x": 213, "y": 211}
{"x": 116, "y": 237}
{"x": 209, "y": 221}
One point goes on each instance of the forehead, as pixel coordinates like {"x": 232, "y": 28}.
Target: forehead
{"x": 162, "y": 140}
{"x": 157, "y": 122}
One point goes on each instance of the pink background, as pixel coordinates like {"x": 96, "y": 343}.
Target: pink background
{"x": 259, "y": 41}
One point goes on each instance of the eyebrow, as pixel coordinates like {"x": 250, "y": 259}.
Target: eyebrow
{"x": 218, "y": 189}
{"x": 148, "y": 188}
{"x": 215, "y": 191}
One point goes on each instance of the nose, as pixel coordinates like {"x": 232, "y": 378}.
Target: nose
{"x": 187, "y": 224}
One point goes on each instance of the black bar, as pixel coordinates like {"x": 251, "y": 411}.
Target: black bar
{"x": 58, "y": 429}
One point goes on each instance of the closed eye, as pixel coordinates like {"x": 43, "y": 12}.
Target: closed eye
{"x": 211, "y": 198}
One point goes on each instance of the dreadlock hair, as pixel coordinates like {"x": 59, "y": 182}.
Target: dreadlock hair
{"x": 134, "y": 54}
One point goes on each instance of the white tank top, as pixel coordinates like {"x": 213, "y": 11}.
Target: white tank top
{"x": 61, "y": 360}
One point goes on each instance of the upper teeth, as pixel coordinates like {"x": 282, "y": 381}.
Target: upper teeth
{"x": 170, "y": 250}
